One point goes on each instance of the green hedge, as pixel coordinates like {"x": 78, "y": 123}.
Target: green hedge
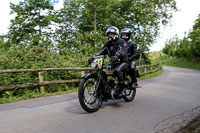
{"x": 19, "y": 57}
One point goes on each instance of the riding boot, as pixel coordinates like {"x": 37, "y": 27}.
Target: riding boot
{"x": 134, "y": 85}
{"x": 134, "y": 80}
{"x": 122, "y": 90}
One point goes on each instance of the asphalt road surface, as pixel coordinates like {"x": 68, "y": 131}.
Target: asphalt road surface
{"x": 164, "y": 104}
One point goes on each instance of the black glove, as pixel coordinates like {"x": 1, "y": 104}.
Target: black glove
{"x": 90, "y": 60}
{"x": 113, "y": 59}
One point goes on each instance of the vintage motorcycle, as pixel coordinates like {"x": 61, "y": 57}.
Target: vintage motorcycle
{"x": 99, "y": 86}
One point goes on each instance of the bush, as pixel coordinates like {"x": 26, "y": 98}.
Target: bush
{"x": 19, "y": 57}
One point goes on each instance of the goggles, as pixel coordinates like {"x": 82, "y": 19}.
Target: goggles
{"x": 124, "y": 34}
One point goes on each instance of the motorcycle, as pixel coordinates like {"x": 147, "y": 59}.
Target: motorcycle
{"x": 98, "y": 86}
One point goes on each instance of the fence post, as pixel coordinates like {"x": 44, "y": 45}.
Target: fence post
{"x": 82, "y": 73}
{"x": 145, "y": 71}
{"x": 41, "y": 79}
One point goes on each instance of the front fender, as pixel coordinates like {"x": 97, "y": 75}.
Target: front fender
{"x": 95, "y": 76}
{"x": 88, "y": 75}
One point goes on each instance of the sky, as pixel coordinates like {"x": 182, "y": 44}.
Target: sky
{"x": 5, "y": 14}
{"x": 182, "y": 20}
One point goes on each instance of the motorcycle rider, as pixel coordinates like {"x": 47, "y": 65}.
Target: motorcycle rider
{"x": 126, "y": 34}
{"x": 116, "y": 48}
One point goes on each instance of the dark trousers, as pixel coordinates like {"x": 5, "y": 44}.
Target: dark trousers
{"x": 119, "y": 68}
{"x": 132, "y": 69}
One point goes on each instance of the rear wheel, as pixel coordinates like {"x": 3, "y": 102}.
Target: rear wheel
{"x": 89, "y": 96}
{"x": 130, "y": 92}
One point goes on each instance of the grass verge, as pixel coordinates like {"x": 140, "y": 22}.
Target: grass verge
{"x": 175, "y": 61}
{"x": 31, "y": 95}
{"x": 151, "y": 75}
{"x": 193, "y": 127}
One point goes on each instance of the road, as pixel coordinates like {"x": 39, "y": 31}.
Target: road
{"x": 163, "y": 105}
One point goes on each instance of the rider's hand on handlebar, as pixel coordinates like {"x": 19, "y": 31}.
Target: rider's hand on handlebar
{"x": 113, "y": 59}
{"x": 90, "y": 60}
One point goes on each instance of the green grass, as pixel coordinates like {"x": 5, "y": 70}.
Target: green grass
{"x": 31, "y": 95}
{"x": 193, "y": 127}
{"x": 151, "y": 75}
{"x": 174, "y": 61}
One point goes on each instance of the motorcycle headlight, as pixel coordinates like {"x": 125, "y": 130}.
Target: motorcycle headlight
{"x": 94, "y": 65}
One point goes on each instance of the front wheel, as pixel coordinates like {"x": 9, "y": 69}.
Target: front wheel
{"x": 89, "y": 96}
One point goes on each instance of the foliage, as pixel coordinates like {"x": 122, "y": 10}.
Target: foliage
{"x": 4, "y": 44}
{"x": 145, "y": 18}
{"x": 20, "y": 57}
{"x": 175, "y": 61}
{"x": 171, "y": 46}
{"x": 195, "y": 38}
{"x": 84, "y": 27}
{"x": 91, "y": 17}
{"x": 33, "y": 23}
{"x": 83, "y": 22}
{"x": 188, "y": 47}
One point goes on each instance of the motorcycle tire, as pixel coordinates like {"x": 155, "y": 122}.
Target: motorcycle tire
{"x": 130, "y": 95}
{"x": 90, "y": 98}
{"x": 130, "y": 92}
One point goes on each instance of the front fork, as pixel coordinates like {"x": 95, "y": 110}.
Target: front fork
{"x": 101, "y": 81}
{"x": 100, "y": 84}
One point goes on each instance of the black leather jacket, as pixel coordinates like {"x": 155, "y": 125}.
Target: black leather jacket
{"x": 119, "y": 49}
{"x": 132, "y": 50}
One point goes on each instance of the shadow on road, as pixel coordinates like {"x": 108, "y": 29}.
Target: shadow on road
{"x": 77, "y": 109}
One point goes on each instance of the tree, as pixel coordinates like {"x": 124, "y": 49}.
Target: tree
{"x": 188, "y": 47}
{"x": 4, "y": 45}
{"x": 33, "y": 23}
{"x": 194, "y": 36}
{"x": 183, "y": 50}
{"x": 171, "y": 46}
{"x": 143, "y": 17}
{"x": 89, "y": 19}
{"x": 84, "y": 22}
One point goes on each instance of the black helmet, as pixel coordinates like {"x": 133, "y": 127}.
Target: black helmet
{"x": 114, "y": 30}
{"x": 126, "y": 31}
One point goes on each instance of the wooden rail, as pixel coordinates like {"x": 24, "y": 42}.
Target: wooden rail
{"x": 46, "y": 69}
{"x": 42, "y": 83}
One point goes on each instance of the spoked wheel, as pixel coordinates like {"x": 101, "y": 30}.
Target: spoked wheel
{"x": 89, "y": 97}
{"x": 130, "y": 92}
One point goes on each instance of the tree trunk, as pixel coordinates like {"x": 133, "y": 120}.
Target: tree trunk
{"x": 95, "y": 27}
{"x": 140, "y": 57}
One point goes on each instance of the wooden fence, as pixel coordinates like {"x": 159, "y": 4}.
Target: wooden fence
{"x": 143, "y": 70}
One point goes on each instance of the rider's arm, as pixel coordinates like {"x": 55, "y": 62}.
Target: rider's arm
{"x": 104, "y": 50}
{"x": 134, "y": 51}
{"x": 123, "y": 49}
